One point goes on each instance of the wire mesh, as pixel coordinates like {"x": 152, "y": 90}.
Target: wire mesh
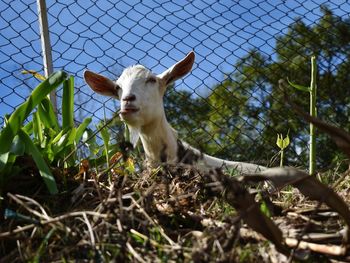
{"x": 229, "y": 105}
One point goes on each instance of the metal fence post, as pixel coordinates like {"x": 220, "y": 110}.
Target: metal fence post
{"x": 46, "y": 46}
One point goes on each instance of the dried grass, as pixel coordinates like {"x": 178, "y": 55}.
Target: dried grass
{"x": 172, "y": 214}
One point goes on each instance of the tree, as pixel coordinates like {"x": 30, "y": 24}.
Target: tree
{"x": 185, "y": 113}
{"x": 329, "y": 40}
{"x": 242, "y": 115}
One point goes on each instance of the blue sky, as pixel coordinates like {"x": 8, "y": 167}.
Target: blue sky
{"x": 105, "y": 36}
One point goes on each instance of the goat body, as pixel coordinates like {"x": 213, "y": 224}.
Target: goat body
{"x": 141, "y": 98}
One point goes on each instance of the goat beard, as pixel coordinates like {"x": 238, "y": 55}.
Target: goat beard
{"x": 134, "y": 135}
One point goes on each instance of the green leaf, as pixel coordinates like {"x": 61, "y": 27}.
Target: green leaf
{"x": 299, "y": 87}
{"x": 104, "y": 134}
{"x": 81, "y": 129}
{"x": 71, "y": 137}
{"x": 47, "y": 115}
{"x": 48, "y": 152}
{"x": 286, "y": 142}
{"x": 58, "y": 136}
{"x": 282, "y": 143}
{"x": 44, "y": 169}
{"x": 279, "y": 141}
{"x": 17, "y": 147}
{"x": 137, "y": 238}
{"x": 90, "y": 141}
{"x": 8, "y": 170}
{"x": 3, "y": 159}
{"x": 63, "y": 139}
{"x": 68, "y": 103}
{"x": 28, "y": 128}
{"x": 17, "y": 118}
{"x": 264, "y": 209}
{"x": 105, "y": 137}
{"x": 38, "y": 132}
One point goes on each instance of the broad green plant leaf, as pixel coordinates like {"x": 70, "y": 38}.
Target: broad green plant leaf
{"x": 264, "y": 209}
{"x": 105, "y": 137}
{"x": 3, "y": 159}
{"x": 281, "y": 142}
{"x": 89, "y": 140}
{"x": 8, "y": 170}
{"x": 66, "y": 148}
{"x": 17, "y": 118}
{"x": 44, "y": 169}
{"x": 47, "y": 115}
{"x": 104, "y": 133}
{"x": 299, "y": 87}
{"x": 48, "y": 152}
{"x": 17, "y": 147}
{"x": 63, "y": 139}
{"x": 38, "y": 131}
{"x": 81, "y": 129}
{"x": 68, "y": 103}
{"x": 28, "y": 128}
{"x": 286, "y": 141}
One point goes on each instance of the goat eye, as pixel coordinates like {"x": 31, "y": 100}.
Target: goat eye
{"x": 117, "y": 89}
{"x": 151, "y": 80}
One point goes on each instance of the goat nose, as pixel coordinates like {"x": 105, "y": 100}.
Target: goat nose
{"x": 130, "y": 97}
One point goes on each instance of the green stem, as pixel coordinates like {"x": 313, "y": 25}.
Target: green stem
{"x": 282, "y": 157}
{"x": 312, "y": 157}
{"x": 106, "y": 141}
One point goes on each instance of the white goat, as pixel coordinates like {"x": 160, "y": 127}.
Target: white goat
{"x": 141, "y": 98}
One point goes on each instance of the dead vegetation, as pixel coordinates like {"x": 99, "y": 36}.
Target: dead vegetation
{"x": 174, "y": 214}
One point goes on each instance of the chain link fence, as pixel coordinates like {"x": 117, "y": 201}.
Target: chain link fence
{"x": 230, "y": 105}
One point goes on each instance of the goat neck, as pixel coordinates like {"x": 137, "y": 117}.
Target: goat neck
{"x": 159, "y": 141}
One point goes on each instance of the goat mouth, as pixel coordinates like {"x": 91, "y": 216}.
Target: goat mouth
{"x": 127, "y": 111}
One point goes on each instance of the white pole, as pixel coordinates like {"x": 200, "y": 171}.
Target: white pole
{"x": 46, "y": 46}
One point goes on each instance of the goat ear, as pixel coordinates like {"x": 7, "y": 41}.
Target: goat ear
{"x": 178, "y": 70}
{"x": 100, "y": 84}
